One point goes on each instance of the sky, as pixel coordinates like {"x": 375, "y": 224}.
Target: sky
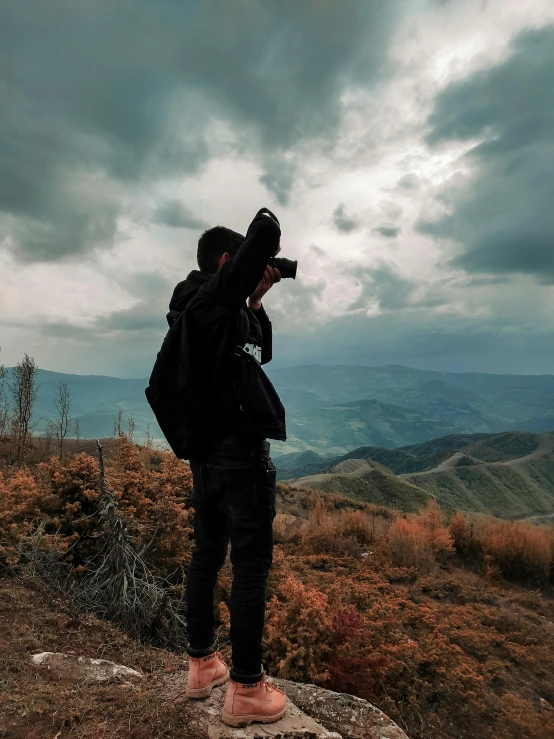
{"x": 406, "y": 147}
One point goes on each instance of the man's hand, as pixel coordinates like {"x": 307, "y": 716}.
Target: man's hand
{"x": 271, "y": 276}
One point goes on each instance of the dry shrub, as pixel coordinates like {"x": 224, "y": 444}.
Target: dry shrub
{"x": 518, "y": 718}
{"x": 462, "y": 528}
{"x": 153, "y": 535}
{"x": 170, "y": 515}
{"x": 408, "y": 545}
{"x": 285, "y": 528}
{"x": 357, "y": 525}
{"x": 69, "y": 502}
{"x": 431, "y": 519}
{"x": 354, "y": 666}
{"x": 298, "y": 632}
{"x": 19, "y": 504}
{"x": 342, "y": 533}
{"x": 519, "y": 549}
{"x": 130, "y": 479}
{"x": 514, "y": 549}
{"x": 119, "y": 584}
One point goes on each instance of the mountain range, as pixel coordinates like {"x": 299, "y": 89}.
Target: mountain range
{"x": 334, "y": 409}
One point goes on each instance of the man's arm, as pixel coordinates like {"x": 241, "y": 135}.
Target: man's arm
{"x": 267, "y": 332}
{"x": 238, "y": 279}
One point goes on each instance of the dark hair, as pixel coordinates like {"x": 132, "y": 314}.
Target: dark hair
{"x": 213, "y": 243}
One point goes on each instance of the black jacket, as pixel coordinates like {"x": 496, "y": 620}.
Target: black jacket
{"x": 222, "y": 345}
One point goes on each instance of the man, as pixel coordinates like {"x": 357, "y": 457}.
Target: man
{"x": 233, "y": 476}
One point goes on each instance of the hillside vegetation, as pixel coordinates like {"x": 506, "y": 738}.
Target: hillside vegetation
{"x": 502, "y": 490}
{"x": 444, "y": 623}
{"x": 507, "y": 475}
{"x": 375, "y": 484}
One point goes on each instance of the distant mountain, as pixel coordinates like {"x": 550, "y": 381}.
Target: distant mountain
{"x": 452, "y": 403}
{"x": 411, "y": 458}
{"x": 337, "y": 428}
{"x": 506, "y": 475}
{"x": 332, "y": 410}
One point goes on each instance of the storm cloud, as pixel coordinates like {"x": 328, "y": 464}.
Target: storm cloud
{"x": 100, "y": 100}
{"x": 389, "y": 232}
{"x": 173, "y": 214}
{"x": 382, "y": 284}
{"x": 501, "y": 214}
{"x": 343, "y": 221}
{"x": 413, "y": 142}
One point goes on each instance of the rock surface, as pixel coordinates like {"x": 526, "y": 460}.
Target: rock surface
{"x": 352, "y": 717}
{"x": 77, "y": 669}
{"x": 204, "y": 717}
{"x": 313, "y": 713}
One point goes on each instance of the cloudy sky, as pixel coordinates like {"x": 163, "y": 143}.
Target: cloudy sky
{"x": 407, "y": 148}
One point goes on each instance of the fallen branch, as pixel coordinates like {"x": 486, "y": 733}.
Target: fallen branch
{"x": 119, "y": 584}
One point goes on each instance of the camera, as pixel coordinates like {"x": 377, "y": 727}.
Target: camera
{"x": 286, "y": 267}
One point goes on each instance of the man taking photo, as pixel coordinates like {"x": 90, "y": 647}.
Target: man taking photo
{"x": 234, "y": 409}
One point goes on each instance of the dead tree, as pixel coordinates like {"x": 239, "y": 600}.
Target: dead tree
{"x": 148, "y": 437}
{"x": 76, "y": 432}
{"x": 117, "y": 425}
{"x": 132, "y": 427}
{"x": 119, "y": 584}
{"x": 4, "y": 407}
{"x": 24, "y": 393}
{"x": 62, "y": 401}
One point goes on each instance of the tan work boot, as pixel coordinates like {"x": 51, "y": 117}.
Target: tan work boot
{"x": 205, "y": 673}
{"x": 246, "y": 703}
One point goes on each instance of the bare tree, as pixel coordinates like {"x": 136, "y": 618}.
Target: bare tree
{"x": 117, "y": 425}
{"x": 49, "y": 436}
{"x": 4, "y": 406}
{"x": 24, "y": 393}
{"x": 132, "y": 425}
{"x": 76, "y": 432}
{"x": 62, "y": 401}
{"x": 148, "y": 437}
{"x": 147, "y": 447}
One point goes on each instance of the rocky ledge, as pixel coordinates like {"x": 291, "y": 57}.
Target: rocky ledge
{"x": 313, "y": 713}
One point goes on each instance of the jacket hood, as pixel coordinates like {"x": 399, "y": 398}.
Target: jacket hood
{"x": 186, "y": 289}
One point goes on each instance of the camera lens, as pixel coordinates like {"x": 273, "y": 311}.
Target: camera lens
{"x": 286, "y": 267}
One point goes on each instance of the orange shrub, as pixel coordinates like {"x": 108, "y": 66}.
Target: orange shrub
{"x": 518, "y": 718}
{"x": 519, "y": 549}
{"x": 170, "y": 516}
{"x": 69, "y": 501}
{"x": 298, "y": 632}
{"x": 19, "y": 496}
{"x": 432, "y": 521}
{"x": 128, "y": 477}
{"x": 341, "y": 533}
{"x": 463, "y": 532}
{"x": 354, "y": 667}
{"x": 408, "y": 545}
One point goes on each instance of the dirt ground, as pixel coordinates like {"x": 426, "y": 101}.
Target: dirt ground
{"x": 34, "y": 705}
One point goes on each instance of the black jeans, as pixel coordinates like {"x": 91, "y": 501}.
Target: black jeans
{"x": 234, "y": 501}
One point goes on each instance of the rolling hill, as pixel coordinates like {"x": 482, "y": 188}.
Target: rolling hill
{"x": 508, "y": 475}
{"x": 367, "y": 481}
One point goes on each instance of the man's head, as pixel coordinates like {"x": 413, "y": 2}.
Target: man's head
{"x": 216, "y": 246}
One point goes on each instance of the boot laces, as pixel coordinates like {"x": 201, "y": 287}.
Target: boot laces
{"x": 270, "y": 686}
